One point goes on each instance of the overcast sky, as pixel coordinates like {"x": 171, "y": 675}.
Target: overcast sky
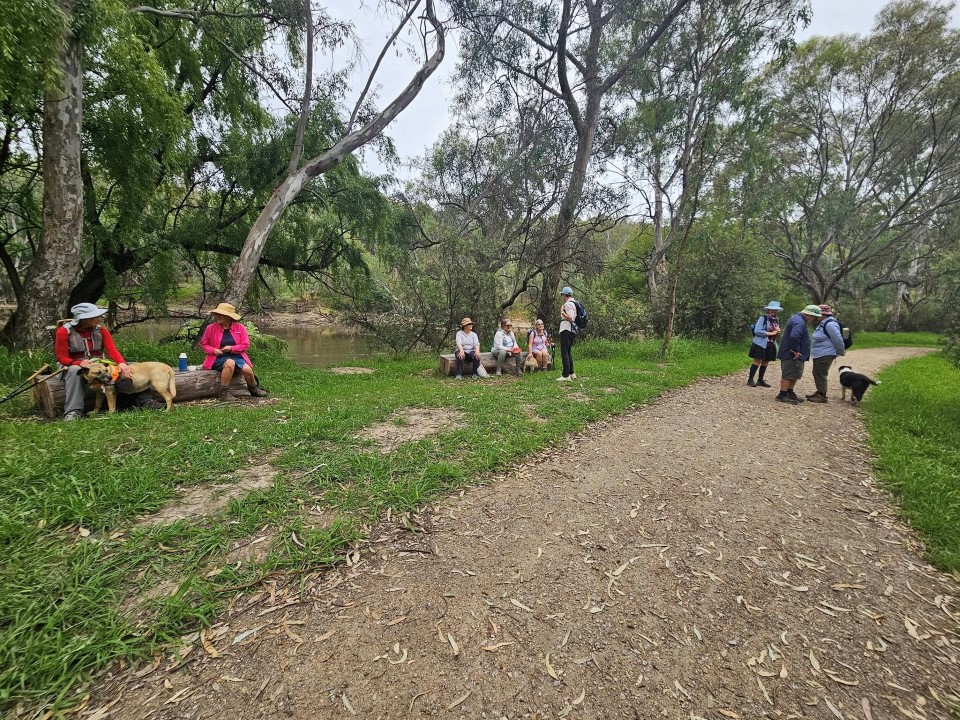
{"x": 426, "y": 117}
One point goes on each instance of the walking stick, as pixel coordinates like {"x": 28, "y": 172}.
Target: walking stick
{"x": 20, "y": 388}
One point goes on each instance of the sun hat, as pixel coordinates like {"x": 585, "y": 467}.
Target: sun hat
{"x": 566, "y": 291}
{"x": 812, "y": 310}
{"x": 226, "y": 309}
{"x": 774, "y": 305}
{"x": 84, "y": 311}
{"x": 466, "y": 321}
{"x": 826, "y": 310}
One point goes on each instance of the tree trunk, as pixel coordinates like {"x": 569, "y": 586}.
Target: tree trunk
{"x": 54, "y": 267}
{"x": 657, "y": 269}
{"x": 894, "y": 324}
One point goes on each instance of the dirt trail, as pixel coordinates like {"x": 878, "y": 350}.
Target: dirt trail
{"x": 713, "y": 555}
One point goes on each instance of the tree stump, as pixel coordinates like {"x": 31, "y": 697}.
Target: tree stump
{"x": 49, "y": 396}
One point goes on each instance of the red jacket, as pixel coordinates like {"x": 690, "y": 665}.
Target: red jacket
{"x": 86, "y": 338}
{"x": 214, "y": 334}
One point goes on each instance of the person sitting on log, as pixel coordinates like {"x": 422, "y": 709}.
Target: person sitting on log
{"x": 79, "y": 343}
{"x": 225, "y": 341}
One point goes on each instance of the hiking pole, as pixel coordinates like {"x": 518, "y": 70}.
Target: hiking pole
{"x": 20, "y": 388}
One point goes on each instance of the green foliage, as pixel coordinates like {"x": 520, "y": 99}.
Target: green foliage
{"x": 863, "y": 340}
{"x": 71, "y": 605}
{"x": 727, "y": 278}
{"x": 951, "y": 309}
{"x": 914, "y": 423}
{"x": 31, "y": 35}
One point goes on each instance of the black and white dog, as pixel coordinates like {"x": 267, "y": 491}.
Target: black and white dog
{"x": 857, "y": 383}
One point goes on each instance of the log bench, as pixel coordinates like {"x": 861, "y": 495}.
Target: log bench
{"x": 448, "y": 363}
{"x": 49, "y": 396}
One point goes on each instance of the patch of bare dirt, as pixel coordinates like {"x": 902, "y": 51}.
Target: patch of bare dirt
{"x": 203, "y": 500}
{"x": 351, "y": 370}
{"x": 410, "y": 425}
{"x": 713, "y": 555}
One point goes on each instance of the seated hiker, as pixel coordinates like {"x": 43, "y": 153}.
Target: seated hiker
{"x": 225, "y": 341}
{"x": 505, "y": 347}
{"x": 468, "y": 348}
{"x": 79, "y": 343}
{"x": 539, "y": 345}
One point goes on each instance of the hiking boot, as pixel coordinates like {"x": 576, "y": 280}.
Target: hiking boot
{"x": 564, "y": 378}
{"x": 751, "y": 383}
{"x": 73, "y": 415}
{"x": 225, "y": 395}
{"x": 812, "y": 395}
{"x": 257, "y": 391}
{"x": 763, "y": 383}
{"x": 817, "y": 398}
{"x": 151, "y": 404}
{"x": 573, "y": 376}
{"x": 785, "y": 398}
{"x": 792, "y": 394}
{"x": 498, "y": 373}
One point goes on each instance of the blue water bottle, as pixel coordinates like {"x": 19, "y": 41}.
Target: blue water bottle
{"x": 182, "y": 364}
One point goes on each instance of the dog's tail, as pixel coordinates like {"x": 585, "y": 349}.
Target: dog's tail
{"x": 877, "y": 382}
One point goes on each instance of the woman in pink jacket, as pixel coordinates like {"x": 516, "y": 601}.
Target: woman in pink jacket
{"x": 225, "y": 341}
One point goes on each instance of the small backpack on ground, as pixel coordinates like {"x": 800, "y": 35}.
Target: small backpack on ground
{"x": 845, "y": 333}
{"x": 581, "y": 319}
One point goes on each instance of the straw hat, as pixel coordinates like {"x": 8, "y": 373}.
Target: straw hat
{"x": 466, "y": 321}
{"x": 225, "y": 309}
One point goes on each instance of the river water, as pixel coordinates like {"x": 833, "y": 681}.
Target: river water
{"x": 307, "y": 345}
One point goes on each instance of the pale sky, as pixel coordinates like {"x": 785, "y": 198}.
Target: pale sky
{"x": 420, "y": 125}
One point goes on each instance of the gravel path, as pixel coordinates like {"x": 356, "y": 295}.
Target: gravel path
{"x": 713, "y": 555}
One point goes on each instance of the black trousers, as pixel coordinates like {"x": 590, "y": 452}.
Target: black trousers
{"x": 471, "y": 357}
{"x": 566, "y": 342}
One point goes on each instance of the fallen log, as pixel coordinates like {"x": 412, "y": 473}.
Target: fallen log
{"x": 49, "y": 395}
{"x": 448, "y": 363}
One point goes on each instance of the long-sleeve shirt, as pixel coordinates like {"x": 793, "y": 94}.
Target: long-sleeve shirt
{"x": 765, "y": 324}
{"x": 504, "y": 340}
{"x": 213, "y": 337}
{"x": 61, "y": 346}
{"x": 795, "y": 339}
{"x": 827, "y": 340}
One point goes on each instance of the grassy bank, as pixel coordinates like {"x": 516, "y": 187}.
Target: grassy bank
{"x": 914, "y": 423}
{"x": 863, "y": 340}
{"x": 70, "y": 493}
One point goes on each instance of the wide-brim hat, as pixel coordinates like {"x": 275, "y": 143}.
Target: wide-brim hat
{"x": 225, "y": 309}
{"x": 812, "y": 311}
{"x": 774, "y": 305}
{"x": 466, "y": 321}
{"x": 826, "y": 310}
{"x": 85, "y": 311}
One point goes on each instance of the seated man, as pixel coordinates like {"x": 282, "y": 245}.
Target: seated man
{"x": 76, "y": 345}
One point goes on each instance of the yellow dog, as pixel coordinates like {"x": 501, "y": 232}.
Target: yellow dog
{"x": 143, "y": 375}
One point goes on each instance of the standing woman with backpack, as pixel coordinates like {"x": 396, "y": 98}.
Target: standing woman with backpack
{"x": 763, "y": 349}
{"x": 568, "y": 315}
{"x": 827, "y": 346}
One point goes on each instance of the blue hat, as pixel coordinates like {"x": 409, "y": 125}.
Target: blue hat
{"x": 83, "y": 311}
{"x": 566, "y": 291}
{"x": 773, "y": 305}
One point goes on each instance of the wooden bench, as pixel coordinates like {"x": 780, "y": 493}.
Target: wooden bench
{"x": 49, "y": 396}
{"x": 448, "y": 363}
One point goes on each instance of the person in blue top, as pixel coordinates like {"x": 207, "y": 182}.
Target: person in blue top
{"x": 763, "y": 349}
{"x": 827, "y": 346}
{"x": 795, "y": 351}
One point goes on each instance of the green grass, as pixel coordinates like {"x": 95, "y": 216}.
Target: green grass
{"x": 862, "y": 340}
{"x": 67, "y": 599}
{"x": 914, "y": 423}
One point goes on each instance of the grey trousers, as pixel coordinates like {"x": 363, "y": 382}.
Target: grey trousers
{"x": 501, "y": 356}
{"x": 821, "y": 368}
{"x": 75, "y": 389}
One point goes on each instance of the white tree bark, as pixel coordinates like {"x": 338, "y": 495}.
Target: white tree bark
{"x": 243, "y": 270}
